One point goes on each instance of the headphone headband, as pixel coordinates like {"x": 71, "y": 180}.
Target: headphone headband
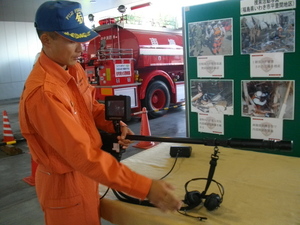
{"x": 194, "y": 198}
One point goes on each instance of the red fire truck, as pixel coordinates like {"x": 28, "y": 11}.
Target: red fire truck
{"x": 146, "y": 65}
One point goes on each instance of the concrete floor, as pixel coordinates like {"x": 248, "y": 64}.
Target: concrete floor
{"x": 18, "y": 201}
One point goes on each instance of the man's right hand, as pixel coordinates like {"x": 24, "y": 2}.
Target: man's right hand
{"x": 161, "y": 195}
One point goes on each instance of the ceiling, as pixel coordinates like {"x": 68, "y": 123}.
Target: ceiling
{"x": 24, "y": 10}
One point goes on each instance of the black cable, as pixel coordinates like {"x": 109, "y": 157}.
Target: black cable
{"x": 128, "y": 199}
{"x": 172, "y": 166}
{"x": 104, "y": 193}
{"x": 125, "y": 198}
{"x": 201, "y": 218}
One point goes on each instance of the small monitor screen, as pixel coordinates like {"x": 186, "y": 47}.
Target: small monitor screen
{"x": 116, "y": 108}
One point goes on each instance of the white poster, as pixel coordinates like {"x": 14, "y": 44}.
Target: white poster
{"x": 210, "y": 66}
{"x": 211, "y": 123}
{"x": 266, "y": 65}
{"x": 257, "y": 6}
{"x": 266, "y": 128}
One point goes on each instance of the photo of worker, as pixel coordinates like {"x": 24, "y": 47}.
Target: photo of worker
{"x": 213, "y": 37}
{"x": 212, "y": 96}
{"x": 265, "y": 98}
{"x": 269, "y": 32}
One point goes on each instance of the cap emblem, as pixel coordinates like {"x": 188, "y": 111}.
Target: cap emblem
{"x": 77, "y": 36}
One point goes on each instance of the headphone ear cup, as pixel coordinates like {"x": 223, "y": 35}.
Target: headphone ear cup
{"x": 192, "y": 199}
{"x": 212, "y": 201}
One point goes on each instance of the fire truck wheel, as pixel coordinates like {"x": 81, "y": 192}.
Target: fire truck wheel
{"x": 157, "y": 98}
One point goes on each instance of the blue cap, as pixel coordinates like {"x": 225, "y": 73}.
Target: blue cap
{"x": 65, "y": 18}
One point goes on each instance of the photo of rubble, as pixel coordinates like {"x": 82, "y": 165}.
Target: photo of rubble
{"x": 212, "y": 96}
{"x": 213, "y": 37}
{"x": 269, "y": 32}
{"x": 265, "y": 98}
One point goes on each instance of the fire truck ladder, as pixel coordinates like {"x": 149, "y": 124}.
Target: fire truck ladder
{"x": 113, "y": 53}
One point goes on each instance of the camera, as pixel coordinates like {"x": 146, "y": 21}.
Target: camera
{"x": 117, "y": 107}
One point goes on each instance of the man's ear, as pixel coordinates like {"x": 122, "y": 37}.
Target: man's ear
{"x": 45, "y": 39}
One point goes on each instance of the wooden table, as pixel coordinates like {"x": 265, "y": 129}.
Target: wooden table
{"x": 260, "y": 188}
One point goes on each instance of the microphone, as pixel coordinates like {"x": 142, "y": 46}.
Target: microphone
{"x": 260, "y": 144}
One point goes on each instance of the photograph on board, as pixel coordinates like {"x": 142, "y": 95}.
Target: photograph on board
{"x": 213, "y": 37}
{"x": 268, "y": 32}
{"x": 212, "y": 96}
{"x": 266, "y": 98}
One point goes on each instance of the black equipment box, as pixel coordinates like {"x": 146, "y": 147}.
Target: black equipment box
{"x": 180, "y": 151}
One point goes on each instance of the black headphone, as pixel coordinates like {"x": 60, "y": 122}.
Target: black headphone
{"x": 194, "y": 198}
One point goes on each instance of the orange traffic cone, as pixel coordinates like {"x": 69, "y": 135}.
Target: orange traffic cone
{"x": 7, "y": 131}
{"x": 145, "y": 131}
{"x": 31, "y": 179}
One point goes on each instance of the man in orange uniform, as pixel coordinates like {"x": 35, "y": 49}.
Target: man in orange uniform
{"x": 60, "y": 120}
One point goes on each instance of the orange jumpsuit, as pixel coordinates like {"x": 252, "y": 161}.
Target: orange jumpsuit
{"x": 59, "y": 119}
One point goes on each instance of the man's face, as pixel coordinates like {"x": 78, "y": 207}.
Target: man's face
{"x": 63, "y": 51}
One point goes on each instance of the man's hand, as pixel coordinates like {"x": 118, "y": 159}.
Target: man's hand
{"x": 124, "y": 131}
{"x": 161, "y": 195}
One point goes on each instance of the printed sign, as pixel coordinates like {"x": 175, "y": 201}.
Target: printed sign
{"x": 210, "y": 66}
{"x": 266, "y": 128}
{"x": 123, "y": 70}
{"x": 211, "y": 123}
{"x": 257, "y": 6}
{"x": 266, "y": 65}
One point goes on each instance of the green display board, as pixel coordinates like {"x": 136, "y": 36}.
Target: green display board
{"x": 248, "y": 35}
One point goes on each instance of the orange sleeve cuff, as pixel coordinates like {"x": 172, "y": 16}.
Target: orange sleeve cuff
{"x": 141, "y": 187}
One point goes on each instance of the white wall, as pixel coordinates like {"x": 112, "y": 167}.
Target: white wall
{"x": 19, "y": 44}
